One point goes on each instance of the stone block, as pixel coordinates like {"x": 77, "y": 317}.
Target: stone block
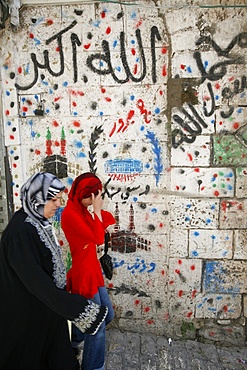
{"x": 224, "y": 277}
{"x": 240, "y": 242}
{"x": 179, "y": 243}
{"x": 194, "y": 213}
{"x": 233, "y": 214}
{"x": 241, "y": 182}
{"x": 184, "y": 276}
{"x": 199, "y": 156}
{"x": 220, "y": 306}
{"x": 215, "y": 244}
{"x": 204, "y": 182}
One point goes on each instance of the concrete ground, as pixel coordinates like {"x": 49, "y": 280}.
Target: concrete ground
{"x": 132, "y": 351}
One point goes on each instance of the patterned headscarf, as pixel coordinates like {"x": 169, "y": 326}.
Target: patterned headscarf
{"x": 39, "y": 189}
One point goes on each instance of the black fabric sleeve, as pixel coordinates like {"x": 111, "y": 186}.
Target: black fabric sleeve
{"x": 25, "y": 255}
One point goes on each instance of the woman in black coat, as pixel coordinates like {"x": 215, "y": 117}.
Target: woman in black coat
{"x": 34, "y": 306}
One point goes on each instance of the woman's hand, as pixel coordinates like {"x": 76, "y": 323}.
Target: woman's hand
{"x": 97, "y": 203}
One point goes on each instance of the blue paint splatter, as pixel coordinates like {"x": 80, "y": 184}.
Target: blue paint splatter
{"x": 195, "y": 254}
{"x": 158, "y": 166}
{"x": 196, "y": 233}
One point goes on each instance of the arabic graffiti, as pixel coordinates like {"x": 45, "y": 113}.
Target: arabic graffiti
{"x": 102, "y": 57}
{"x": 138, "y": 266}
{"x": 194, "y": 123}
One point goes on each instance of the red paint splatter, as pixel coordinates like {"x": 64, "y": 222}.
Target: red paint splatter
{"x": 37, "y": 152}
{"x": 189, "y": 314}
{"x": 56, "y": 143}
{"x": 19, "y": 70}
{"x": 87, "y": 46}
{"x": 31, "y": 35}
{"x": 147, "y": 309}
{"x": 110, "y": 285}
{"x": 57, "y": 98}
{"x": 163, "y": 50}
{"x": 180, "y": 262}
{"x": 133, "y": 51}
{"x": 217, "y": 86}
{"x": 231, "y": 78}
{"x": 216, "y": 193}
{"x": 182, "y": 66}
{"x": 16, "y": 194}
{"x": 192, "y": 267}
{"x": 49, "y": 22}
{"x": 108, "y": 99}
{"x": 55, "y": 123}
{"x": 103, "y": 90}
{"x": 193, "y": 294}
{"x": 177, "y": 187}
{"x": 190, "y": 157}
{"x": 24, "y": 109}
{"x": 108, "y": 30}
{"x": 161, "y": 224}
{"x": 171, "y": 282}
{"x": 161, "y": 92}
{"x": 240, "y": 207}
{"x": 74, "y": 104}
{"x": 139, "y": 23}
{"x": 180, "y": 293}
{"x": 225, "y": 308}
{"x": 197, "y": 169}
{"x": 76, "y": 124}
{"x": 177, "y": 271}
{"x": 61, "y": 243}
{"x": 57, "y": 48}
{"x": 103, "y": 14}
{"x": 135, "y": 69}
{"x": 150, "y": 322}
{"x": 11, "y": 137}
{"x": 236, "y": 125}
{"x": 162, "y": 272}
{"x": 137, "y": 302}
{"x": 164, "y": 70}
{"x": 130, "y": 115}
{"x": 14, "y": 165}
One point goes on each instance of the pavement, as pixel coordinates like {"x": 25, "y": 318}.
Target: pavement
{"x": 133, "y": 351}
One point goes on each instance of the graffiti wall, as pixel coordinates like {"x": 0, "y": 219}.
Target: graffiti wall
{"x": 151, "y": 98}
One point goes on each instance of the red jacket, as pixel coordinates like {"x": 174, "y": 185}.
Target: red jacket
{"x": 83, "y": 234}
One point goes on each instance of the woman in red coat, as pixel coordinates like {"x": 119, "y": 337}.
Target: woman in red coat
{"x": 84, "y": 231}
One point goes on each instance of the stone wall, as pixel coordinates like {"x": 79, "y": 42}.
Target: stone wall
{"x": 152, "y": 97}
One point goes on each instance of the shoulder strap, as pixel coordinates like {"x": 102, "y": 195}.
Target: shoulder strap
{"x": 107, "y": 239}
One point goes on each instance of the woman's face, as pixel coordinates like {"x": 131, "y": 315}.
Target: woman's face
{"x": 52, "y": 205}
{"x": 86, "y": 202}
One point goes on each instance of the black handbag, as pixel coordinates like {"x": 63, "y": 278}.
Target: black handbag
{"x": 106, "y": 260}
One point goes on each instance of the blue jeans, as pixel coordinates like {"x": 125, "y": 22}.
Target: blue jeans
{"x": 93, "y": 356}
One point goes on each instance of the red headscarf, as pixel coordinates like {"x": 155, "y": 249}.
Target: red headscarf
{"x": 83, "y": 187}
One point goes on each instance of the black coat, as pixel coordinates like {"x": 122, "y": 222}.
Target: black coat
{"x": 33, "y": 311}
